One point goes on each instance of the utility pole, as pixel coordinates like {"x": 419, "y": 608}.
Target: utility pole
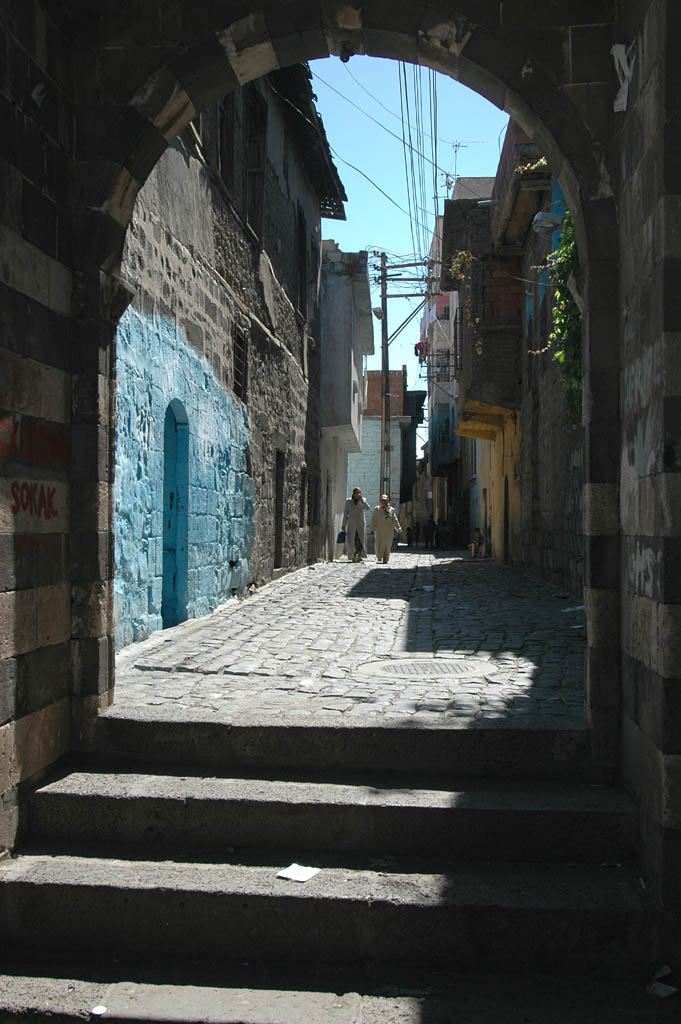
{"x": 384, "y": 487}
{"x": 386, "y": 446}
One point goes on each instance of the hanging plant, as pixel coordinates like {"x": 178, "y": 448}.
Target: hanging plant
{"x": 460, "y": 263}
{"x": 566, "y": 336}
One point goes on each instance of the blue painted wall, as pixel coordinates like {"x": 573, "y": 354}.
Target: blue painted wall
{"x": 156, "y": 366}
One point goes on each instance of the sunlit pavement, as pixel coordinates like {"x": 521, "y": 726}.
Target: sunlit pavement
{"x": 431, "y": 636}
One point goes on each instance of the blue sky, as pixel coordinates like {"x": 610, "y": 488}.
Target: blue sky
{"x": 373, "y": 220}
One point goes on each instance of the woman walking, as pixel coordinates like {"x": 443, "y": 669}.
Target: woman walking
{"x": 354, "y": 525}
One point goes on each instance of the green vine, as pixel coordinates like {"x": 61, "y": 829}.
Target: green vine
{"x": 460, "y": 263}
{"x": 566, "y": 336}
{"x": 541, "y": 164}
{"x": 459, "y": 266}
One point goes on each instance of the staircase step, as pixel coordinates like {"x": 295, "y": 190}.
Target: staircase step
{"x": 514, "y": 915}
{"x": 490, "y": 749}
{"x": 510, "y": 820}
{"x": 473, "y": 998}
{"x": 72, "y": 1000}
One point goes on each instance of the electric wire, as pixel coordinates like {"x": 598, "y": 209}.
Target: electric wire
{"x": 335, "y": 152}
{"x": 394, "y": 135}
{"x": 392, "y": 113}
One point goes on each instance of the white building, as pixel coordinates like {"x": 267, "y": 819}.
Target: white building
{"x": 346, "y": 340}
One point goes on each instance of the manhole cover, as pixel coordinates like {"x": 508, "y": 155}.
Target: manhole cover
{"x": 428, "y": 668}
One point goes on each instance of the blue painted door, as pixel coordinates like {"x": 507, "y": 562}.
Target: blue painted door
{"x": 175, "y": 515}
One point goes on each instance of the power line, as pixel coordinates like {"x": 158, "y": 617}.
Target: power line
{"x": 336, "y": 154}
{"x": 366, "y": 114}
{"x": 392, "y": 113}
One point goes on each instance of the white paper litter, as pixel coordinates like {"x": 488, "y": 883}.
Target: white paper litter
{"x": 575, "y": 608}
{"x": 658, "y": 988}
{"x": 298, "y": 873}
{"x": 98, "y": 1010}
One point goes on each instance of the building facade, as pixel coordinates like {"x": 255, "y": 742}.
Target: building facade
{"x": 346, "y": 340}
{"x": 521, "y": 468}
{"x": 218, "y": 463}
{"x": 90, "y": 103}
{"x": 406, "y": 412}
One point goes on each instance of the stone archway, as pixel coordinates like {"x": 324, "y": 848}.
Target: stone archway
{"x": 157, "y": 86}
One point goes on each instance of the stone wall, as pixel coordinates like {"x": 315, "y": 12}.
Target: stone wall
{"x": 203, "y": 286}
{"x": 552, "y": 457}
{"x": 47, "y": 621}
{"x": 650, "y": 464}
{"x": 88, "y": 105}
{"x": 157, "y": 366}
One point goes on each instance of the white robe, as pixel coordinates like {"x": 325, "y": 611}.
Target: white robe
{"x": 384, "y": 523}
{"x": 354, "y": 522}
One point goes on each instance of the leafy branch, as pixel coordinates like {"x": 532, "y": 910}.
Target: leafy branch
{"x": 566, "y": 336}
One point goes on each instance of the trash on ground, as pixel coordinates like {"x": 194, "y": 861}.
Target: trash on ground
{"x": 298, "y": 873}
{"x": 98, "y": 1010}
{"x": 658, "y": 988}
{"x": 575, "y": 608}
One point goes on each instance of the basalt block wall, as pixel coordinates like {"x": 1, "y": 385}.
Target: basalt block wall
{"x": 48, "y": 618}
{"x": 650, "y": 465}
{"x": 175, "y": 350}
{"x": 64, "y": 208}
{"x": 156, "y": 366}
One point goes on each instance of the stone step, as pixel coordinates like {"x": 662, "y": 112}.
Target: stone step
{"x": 278, "y": 742}
{"x": 513, "y": 820}
{"x": 515, "y": 916}
{"x": 471, "y": 997}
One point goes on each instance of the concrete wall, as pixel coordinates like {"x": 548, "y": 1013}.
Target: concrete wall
{"x": 346, "y": 337}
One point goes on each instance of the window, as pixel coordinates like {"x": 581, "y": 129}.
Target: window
{"x": 442, "y": 422}
{"x": 240, "y": 346}
{"x": 442, "y": 367}
{"x": 256, "y": 148}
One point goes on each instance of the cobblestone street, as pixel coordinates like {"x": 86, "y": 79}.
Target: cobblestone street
{"x": 433, "y": 636}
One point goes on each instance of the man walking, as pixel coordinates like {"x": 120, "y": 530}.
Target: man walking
{"x": 384, "y": 523}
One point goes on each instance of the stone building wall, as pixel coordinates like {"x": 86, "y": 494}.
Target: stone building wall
{"x": 204, "y": 286}
{"x": 552, "y": 456}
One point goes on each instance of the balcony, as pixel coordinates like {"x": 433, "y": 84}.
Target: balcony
{"x": 443, "y": 455}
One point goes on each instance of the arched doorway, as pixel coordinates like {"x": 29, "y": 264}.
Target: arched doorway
{"x": 524, "y": 73}
{"x": 175, "y": 514}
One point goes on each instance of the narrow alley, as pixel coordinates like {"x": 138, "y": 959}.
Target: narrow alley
{"x": 431, "y": 637}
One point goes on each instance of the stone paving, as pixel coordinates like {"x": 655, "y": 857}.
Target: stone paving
{"x": 433, "y": 636}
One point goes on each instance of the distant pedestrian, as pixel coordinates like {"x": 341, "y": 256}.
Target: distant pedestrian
{"x": 429, "y": 533}
{"x": 410, "y": 536}
{"x": 355, "y": 525}
{"x": 417, "y": 533}
{"x": 384, "y": 523}
{"x": 476, "y": 543}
